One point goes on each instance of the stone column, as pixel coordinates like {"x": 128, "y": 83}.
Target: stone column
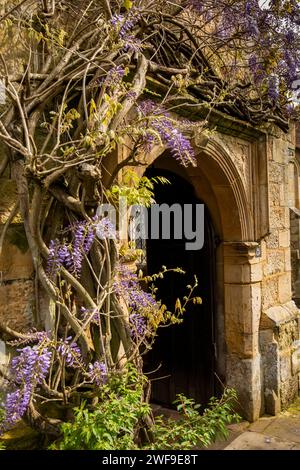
{"x": 242, "y": 282}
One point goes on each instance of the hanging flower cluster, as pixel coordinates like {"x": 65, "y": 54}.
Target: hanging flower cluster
{"x": 159, "y": 126}
{"x": 106, "y": 229}
{"x": 71, "y": 254}
{"x": 139, "y": 301}
{"x": 123, "y": 26}
{"x": 30, "y": 367}
{"x": 271, "y": 31}
{"x": 97, "y": 373}
{"x": 70, "y": 352}
{"x": 115, "y": 76}
{"x": 138, "y": 326}
{"x": 27, "y": 370}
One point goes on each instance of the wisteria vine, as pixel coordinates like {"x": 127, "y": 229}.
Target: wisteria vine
{"x": 94, "y": 87}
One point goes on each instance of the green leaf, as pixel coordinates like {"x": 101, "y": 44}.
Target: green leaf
{"x": 127, "y": 4}
{"x": 93, "y": 107}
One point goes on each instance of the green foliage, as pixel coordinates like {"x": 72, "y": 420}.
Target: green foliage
{"x": 127, "y": 4}
{"x": 116, "y": 421}
{"x": 195, "y": 429}
{"x": 136, "y": 190}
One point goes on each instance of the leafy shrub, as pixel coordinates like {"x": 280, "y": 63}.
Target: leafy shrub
{"x": 116, "y": 421}
{"x": 195, "y": 429}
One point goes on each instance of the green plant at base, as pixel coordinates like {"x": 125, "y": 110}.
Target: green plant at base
{"x": 115, "y": 423}
{"x": 195, "y": 429}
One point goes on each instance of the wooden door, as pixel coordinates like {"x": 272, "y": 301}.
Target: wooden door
{"x": 183, "y": 353}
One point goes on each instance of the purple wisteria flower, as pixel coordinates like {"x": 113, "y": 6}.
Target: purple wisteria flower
{"x": 98, "y": 373}
{"x": 114, "y": 76}
{"x": 271, "y": 29}
{"x": 32, "y": 336}
{"x": 138, "y": 326}
{"x": 256, "y": 68}
{"x": 70, "y": 255}
{"x": 70, "y": 352}
{"x": 127, "y": 285}
{"x": 123, "y": 26}
{"x": 15, "y": 405}
{"x": 27, "y": 370}
{"x": 105, "y": 229}
{"x": 31, "y": 365}
{"x": 158, "y": 121}
{"x": 140, "y": 303}
{"x": 273, "y": 83}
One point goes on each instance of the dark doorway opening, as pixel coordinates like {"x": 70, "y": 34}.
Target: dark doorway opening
{"x": 184, "y": 354}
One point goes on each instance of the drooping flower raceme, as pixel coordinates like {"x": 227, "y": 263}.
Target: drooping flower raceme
{"x": 138, "y": 325}
{"x": 70, "y": 352}
{"x": 71, "y": 254}
{"x": 114, "y": 76}
{"x": 123, "y": 26}
{"x": 158, "y": 124}
{"x": 140, "y": 302}
{"x": 97, "y": 373}
{"x": 28, "y": 369}
{"x": 271, "y": 30}
{"x": 105, "y": 229}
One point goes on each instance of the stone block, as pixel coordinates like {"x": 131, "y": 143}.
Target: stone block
{"x": 243, "y": 273}
{"x": 269, "y": 292}
{"x": 15, "y": 265}
{"x": 284, "y": 239}
{"x": 279, "y": 316}
{"x": 270, "y": 364}
{"x": 244, "y": 376}
{"x": 287, "y": 260}
{"x": 287, "y": 334}
{"x": 285, "y": 367}
{"x": 272, "y": 402}
{"x": 241, "y": 317}
{"x": 274, "y": 263}
{"x": 256, "y": 272}
{"x": 272, "y": 240}
{"x": 289, "y": 391}
{"x": 280, "y": 151}
{"x": 256, "y": 441}
{"x": 8, "y": 196}
{"x": 276, "y": 172}
{"x": 17, "y": 304}
{"x": 279, "y": 218}
{"x": 274, "y": 194}
{"x": 284, "y": 288}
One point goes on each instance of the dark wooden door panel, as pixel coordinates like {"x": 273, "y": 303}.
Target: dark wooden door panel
{"x": 183, "y": 353}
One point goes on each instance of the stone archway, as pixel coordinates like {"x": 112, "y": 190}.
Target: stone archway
{"x": 219, "y": 184}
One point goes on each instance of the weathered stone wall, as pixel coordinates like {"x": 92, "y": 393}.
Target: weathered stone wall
{"x": 17, "y": 303}
{"x": 279, "y": 329}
